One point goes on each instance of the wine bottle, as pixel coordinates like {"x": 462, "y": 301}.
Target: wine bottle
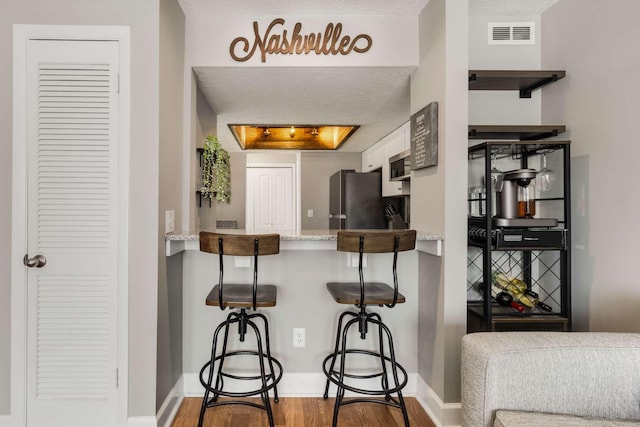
{"x": 515, "y": 287}
{"x": 501, "y": 297}
{"x": 536, "y": 299}
{"x": 520, "y": 292}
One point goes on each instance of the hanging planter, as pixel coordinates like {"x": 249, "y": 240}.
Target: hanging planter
{"x": 216, "y": 171}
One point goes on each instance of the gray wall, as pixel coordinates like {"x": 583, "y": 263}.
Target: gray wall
{"x": 506, "y": 107}
{"x": 442, "y": 76}
{"x": 142, "y": 17}
{"x": 235, "y": 210}
{"x": 317, "y": 167}
{"x": 205, "y": 124}
{"x": 598, "y": 102}
{"x": 172, "y": 25}
{"x": 6, "y": 20}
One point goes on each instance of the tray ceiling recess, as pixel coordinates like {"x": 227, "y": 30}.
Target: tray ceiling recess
{"x": 291, "y": 137}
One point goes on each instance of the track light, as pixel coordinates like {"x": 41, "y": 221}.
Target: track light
{"x": 292, "y": 132}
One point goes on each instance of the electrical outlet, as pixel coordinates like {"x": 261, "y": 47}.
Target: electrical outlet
{"x": 353, "y": 260}
{"x": 169, "y": 221}
{"x": 298, "y": 337}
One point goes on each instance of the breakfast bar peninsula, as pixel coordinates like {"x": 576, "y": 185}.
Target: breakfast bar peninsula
{"x": 306, "y": 262}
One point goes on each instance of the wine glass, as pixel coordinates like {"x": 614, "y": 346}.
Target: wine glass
{"x": 496, "y": 175}
{"x": 546, "y": 177}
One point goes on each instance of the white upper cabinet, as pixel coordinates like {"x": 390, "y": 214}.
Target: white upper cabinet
{"x": 393, "y": 144}
{"x": 377, "y": 157}
{"x": 406, "y": 134}
{"x": 372, "y": 158}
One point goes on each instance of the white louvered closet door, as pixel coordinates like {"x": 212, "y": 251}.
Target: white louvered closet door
{"x": 72, "y": 204}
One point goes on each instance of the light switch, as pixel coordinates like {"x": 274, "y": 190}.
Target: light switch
{"x": 309, "y": 213}
{"x": 169, "y": 221}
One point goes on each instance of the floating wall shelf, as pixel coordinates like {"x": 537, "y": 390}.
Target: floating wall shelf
{"x": 524, "y": 81}
{"x": 521, "y": 133}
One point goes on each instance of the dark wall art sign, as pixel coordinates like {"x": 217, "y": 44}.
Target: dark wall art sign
{"x": 424, "y": 137}
{"x": 276, "y": 40}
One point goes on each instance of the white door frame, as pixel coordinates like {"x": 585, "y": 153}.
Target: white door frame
{"x": 21, "y": 34}
{"x": 296, "y": 191}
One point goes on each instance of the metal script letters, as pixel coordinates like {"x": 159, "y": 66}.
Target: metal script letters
{"x": 330, "y": 43}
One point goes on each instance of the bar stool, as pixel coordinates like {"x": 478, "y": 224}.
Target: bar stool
{"x": 243, "y": 297}
{"x": 361, "y": 294}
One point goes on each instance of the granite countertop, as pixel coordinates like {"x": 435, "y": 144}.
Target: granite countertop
{"x": 303, "y": 236}
{"x": 177, "y": 242}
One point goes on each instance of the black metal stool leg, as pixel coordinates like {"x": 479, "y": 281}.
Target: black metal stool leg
{"x": 231, "y": 319}
{"x": 335, "y": 350}
{"x": 340, "y": 379}
{"x": 394, "y": 371}
{"x": 263, "y": 375}
{"x": 214, "y": 343}
{"x": 268, "y": 347}
{"x": 384, "y": 379}
{"x": 336, "y": 407}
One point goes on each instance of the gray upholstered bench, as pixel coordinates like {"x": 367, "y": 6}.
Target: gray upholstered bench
{"x": 550, "y": 379}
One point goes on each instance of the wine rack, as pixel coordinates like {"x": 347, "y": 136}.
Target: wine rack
{"x": 538, "y": 258}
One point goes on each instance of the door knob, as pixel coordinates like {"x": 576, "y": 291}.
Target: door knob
{"x": 37, "y": 261}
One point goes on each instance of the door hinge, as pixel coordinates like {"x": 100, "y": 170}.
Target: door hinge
{"x": 117, "y": 378}
{"x": 118, "y": 83}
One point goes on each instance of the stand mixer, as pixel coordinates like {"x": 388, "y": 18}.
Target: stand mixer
{"x": 515, "y": 203}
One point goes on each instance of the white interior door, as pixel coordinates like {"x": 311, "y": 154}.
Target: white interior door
{"x": 72, "y": 220}
{"x": 271, "y": 199}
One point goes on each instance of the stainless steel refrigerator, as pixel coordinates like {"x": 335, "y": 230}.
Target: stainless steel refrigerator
{"x": 355, "y": 201}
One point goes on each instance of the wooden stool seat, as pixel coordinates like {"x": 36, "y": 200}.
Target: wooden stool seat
{"x": 375, "y": 293}
{"x": 241, "y": 296}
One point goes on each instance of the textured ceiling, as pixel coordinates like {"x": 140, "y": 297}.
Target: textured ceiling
{"x": 509, "y": 7}
{"x": 302, "y": 7}
{"x": 376, "y": 98}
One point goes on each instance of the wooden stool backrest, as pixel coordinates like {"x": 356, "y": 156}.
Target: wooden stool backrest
{"x": 362, "y": 242}
{"x": 239, "y": 244}
{"x": 376, "y": 241}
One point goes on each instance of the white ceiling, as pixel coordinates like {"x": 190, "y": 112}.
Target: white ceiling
{"x": 376, "y": 98}
{"x": 509, "y": 7}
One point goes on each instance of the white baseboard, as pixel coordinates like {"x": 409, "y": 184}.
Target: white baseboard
{"x": 171, "y": 404}
{"x": 5, "y": 420}
{"x": 296, "y": 385}
{"x": 142, "y": 422}
{"x": 442, "y": 414}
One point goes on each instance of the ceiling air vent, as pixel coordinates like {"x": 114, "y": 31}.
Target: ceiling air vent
{"x": 511, "y": 33}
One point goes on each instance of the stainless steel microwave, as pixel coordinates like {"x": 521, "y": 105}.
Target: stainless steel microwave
{"x": 400, "y": 166}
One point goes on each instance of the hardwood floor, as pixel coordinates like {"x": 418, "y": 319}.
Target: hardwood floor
{"x": 301, "y": 412}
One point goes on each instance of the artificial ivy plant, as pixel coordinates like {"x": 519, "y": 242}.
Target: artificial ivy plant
{"x": 216, "y": 171}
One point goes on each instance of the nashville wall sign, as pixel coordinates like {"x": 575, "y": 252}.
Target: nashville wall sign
{"x": 277, "y": 41}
